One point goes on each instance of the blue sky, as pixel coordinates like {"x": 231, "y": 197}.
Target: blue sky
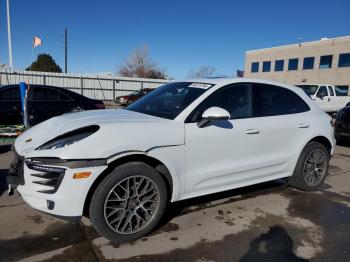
{"x": 181, "y": 35}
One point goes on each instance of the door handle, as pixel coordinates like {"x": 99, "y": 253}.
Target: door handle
{"x": 252, "y": 131}
{"x": 303, "y": 125}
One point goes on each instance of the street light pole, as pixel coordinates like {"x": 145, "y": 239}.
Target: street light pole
{"x": 9, "y": 34}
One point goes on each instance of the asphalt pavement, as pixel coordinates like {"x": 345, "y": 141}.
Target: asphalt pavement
{"x": 266, "y": 222}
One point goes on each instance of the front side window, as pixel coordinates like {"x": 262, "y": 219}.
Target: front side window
{"x": 308, "y": 63}
{"x": 10, "y": 94}
{"x": 279, "y": 64}
{"x": 322, "y": 92}
{"x": 293, "y": 64}
{"x": 169, "y": 100}
{"x": 255, "y": 67}
{"x": 271, "y": 100}
{"x": 235, "y": 98}
{"x": 266, "y": 66}
{"x": 344, "y": 60}
{"x": 326, "y": 61}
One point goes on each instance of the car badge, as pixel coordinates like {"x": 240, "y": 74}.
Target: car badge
{"x": 28, "y": 140}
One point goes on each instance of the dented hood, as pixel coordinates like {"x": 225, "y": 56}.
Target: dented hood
{"x": 120, "y": 130}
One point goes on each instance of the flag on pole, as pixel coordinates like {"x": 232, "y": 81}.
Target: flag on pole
{"x": 36, "y": 41}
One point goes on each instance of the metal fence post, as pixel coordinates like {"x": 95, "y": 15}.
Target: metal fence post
{"x": 81, "y": 86}
{"x": 141, "y": 85}
{"x": 113, "y": 89}
{"x": 44, "y": 80}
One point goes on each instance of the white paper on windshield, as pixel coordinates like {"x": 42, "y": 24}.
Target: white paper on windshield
{"x": 200, "y": 85}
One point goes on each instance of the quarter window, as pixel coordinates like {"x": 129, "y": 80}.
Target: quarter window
{"x": 326, "y": 61}
{"x": 344, "y": 60}
{"x": 255, "y": 67}
{"x": 235, "y": 98}
{"x": 266, "y": 66}
{"x": 293, "y": 64}
{"x": 279, "y": 65}
{"x": 308, "y": 63}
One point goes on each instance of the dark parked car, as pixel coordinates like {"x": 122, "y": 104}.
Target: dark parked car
{"x": 43, "y": 102}
{"x": 342, "y": 124}
{"x": 128, "y": 99}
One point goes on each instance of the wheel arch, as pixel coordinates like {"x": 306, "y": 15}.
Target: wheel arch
{"x": 136, "y": 157}
{"x": 324, "y": 141}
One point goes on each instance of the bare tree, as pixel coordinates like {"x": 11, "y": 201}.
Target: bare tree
{"x": 139, "y": 64}
{"x": 203, "y": 71}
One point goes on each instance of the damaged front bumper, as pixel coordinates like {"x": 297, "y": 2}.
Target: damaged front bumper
{"x": 48, "y": 184}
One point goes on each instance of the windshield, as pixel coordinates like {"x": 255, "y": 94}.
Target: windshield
{"x": 309, "y": 89}
{"x": 169, "y": 100}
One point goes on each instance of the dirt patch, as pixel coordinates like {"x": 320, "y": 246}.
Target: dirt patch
{"x": 36, "y": 219}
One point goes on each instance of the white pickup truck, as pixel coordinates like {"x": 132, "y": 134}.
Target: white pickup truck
{"x": 327, "y": 97}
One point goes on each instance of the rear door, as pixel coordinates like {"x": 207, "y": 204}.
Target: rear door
{"x": 332, "y": 99}
{"x": 323, "y": 99}
{"x": 10, "y": 106}
{"x": 282, "y": 122}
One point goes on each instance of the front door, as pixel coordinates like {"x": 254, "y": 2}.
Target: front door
{"x": 222, "y": 153}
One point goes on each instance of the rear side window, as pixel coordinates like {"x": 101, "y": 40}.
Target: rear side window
{"x": 10, "y": 94}
{"x": 272, "y": 100}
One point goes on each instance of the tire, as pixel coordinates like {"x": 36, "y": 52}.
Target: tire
{"x": 115, "y": 186}
{"x": 302, "y": 179}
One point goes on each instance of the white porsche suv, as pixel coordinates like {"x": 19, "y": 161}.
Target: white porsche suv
{"x": 186, "y": 139}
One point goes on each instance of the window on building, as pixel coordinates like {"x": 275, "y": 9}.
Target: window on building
{"x": 293, "y": 64}
{"x": 326, "y": 61}
{"x": 344, "y": 60}
{"x": 266, "y": 66}
{"x": 279, "y": 65}
{"x": 309, "y": 63}
{"x": 255, "y": 67}
{"x": 342, "y": 90}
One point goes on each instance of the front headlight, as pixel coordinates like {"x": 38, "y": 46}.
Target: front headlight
{"x": 69, "y": 138}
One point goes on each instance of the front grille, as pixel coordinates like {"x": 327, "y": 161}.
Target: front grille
{"x": 50, "y": 177}
{"x": 16, "y": 171}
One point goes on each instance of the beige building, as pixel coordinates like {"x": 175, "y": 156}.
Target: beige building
{"x": 326, "y": 61}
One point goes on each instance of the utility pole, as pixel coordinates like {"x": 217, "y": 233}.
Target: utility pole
{"x": 9, "y": 34}
{"x": 65, "y": 49}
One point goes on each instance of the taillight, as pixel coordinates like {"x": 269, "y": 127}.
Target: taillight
{"x": 100, "y": 106}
